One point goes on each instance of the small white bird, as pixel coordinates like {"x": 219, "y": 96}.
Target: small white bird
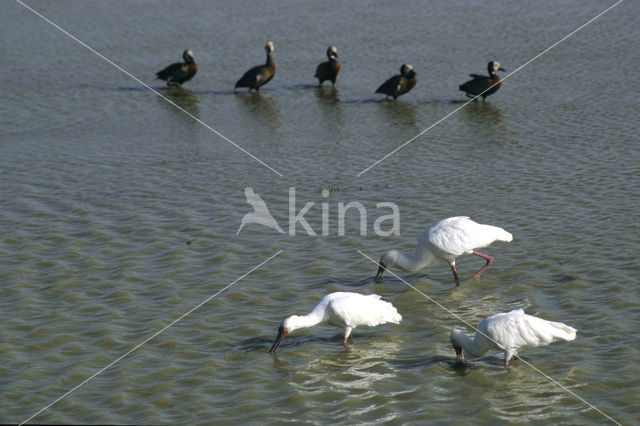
{"x": 342, "y": 309}
{"x": 260, "y": 214}
{"x": 447, "y": 240}
{"x": 510, "y": 331}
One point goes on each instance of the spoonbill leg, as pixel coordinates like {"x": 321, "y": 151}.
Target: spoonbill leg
{"x": 455, "y": 274}
{"x": 489, "y": 260}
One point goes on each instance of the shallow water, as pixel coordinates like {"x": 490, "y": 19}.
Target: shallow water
{"x": 119, "y": 212}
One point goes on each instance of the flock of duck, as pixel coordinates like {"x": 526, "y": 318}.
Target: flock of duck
{"x": 480, "y": 85}
{"x": 445, "y": 240}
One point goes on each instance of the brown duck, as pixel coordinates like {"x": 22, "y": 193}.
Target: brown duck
{"x": 178, "y": 73}
{"x": 261, "y": 74}
{"x": 399, "y": 84}
{"x": 481, "y": 85}
{"x": 329, "y": 70}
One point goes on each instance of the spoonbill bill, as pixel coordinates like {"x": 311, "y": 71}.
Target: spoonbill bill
{"x": 510, "y": 331}
{"x": 342, "y": 309}
{"x": 447, "y": 240}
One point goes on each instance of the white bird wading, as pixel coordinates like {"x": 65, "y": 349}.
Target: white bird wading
{"x": 509, "y": 332}
{"x": 446, "y": 240}
{"x": 342, "y": 309}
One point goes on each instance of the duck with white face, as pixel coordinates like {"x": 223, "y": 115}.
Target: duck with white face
{"x": 259, "y": 75}
{"x": 179, "y": 72}
{"x": 482, "y": 85}
{"x": 400, "y": 84}
{"x": 330, "y": 69}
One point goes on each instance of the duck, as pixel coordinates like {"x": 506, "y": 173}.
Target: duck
{"x": 399, "y": 84}
{"x": 446, "y": 240}
{"x": 178, "y": 73}
{"x": 509, "y": 332}
{"x": 261, "y": 74}
{"x": 481, "y": 85}
{"x": 328, "y": 70}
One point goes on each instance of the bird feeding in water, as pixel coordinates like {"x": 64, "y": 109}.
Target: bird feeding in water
{"x": 399, "y": 84}
{"x": 178, "y": 73}
{"x": 483, "y": 85}
{"x": 446, "y": 240}
{"x": 329, "y": 70}
{"x": 342, "y": 309}
{"x": 509, "y": 332}
{"x": 259, "y": 75}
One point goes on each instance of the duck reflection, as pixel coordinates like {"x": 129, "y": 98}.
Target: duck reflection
{"x": 328, "y": 95}
{"x": 400, "y": 112}
{"x": 263, "y": 109}
{"x": 331, "y": 111}
{"x": 184, "y": 98}
{"x": 483, "y": 114}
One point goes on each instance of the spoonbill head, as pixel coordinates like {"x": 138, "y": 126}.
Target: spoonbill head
{"x": 509, "y": 332}
{"x": 287, "y": 326}
{"x": 446, "y": 240}
{"x": 342, "y": 309}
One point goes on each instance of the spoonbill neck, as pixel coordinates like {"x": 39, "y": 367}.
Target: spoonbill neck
{"x": 420, "y": 259}
{"x": 294, "y": 322}
{"x": 470, "y": 346}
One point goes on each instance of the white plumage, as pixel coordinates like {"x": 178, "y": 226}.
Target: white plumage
{"x": 510, "y": 332}
{"x": 342, "y": 309}
{"x": 446, "y": 240}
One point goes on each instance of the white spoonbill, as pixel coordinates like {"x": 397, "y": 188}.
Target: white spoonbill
{"x": 342, "y": 309}
{"x": 447, "y": 240}
{"x": 510, "y": 331}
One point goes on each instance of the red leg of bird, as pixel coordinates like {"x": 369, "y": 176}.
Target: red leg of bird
{"x": 351, "y": 338}
{"x": 489, "y": 260}
{"x": 455, "y": 275}
{"x": 506, "y": 363}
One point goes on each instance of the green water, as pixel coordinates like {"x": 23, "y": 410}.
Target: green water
{"x": 119, "y": 213}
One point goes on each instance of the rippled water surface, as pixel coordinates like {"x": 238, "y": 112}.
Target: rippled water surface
{"x": 119, "y": 212}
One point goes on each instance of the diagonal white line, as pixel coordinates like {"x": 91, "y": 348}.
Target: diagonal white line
{"x": 150, "y": 337}
{"x": 476, "y": 97}
{"x": 458, "y": 317}
{"x": 151, "y": 89}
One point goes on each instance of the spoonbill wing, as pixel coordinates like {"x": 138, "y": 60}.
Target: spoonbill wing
{"x": 460, "y": 235}
{"x": 357, "y": 309}
{"x": 515, "y": 329}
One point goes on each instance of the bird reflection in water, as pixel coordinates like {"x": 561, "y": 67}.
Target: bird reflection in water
{"x": 359, "y": 369}
{"x": 263, "y": 109}
{"x": 331, "y": 112}
{"x": 184, "y": 98}
{"x": 400, "y": 113}
{"x": 328, "y": 94}
{"x": 483, "y": 113}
